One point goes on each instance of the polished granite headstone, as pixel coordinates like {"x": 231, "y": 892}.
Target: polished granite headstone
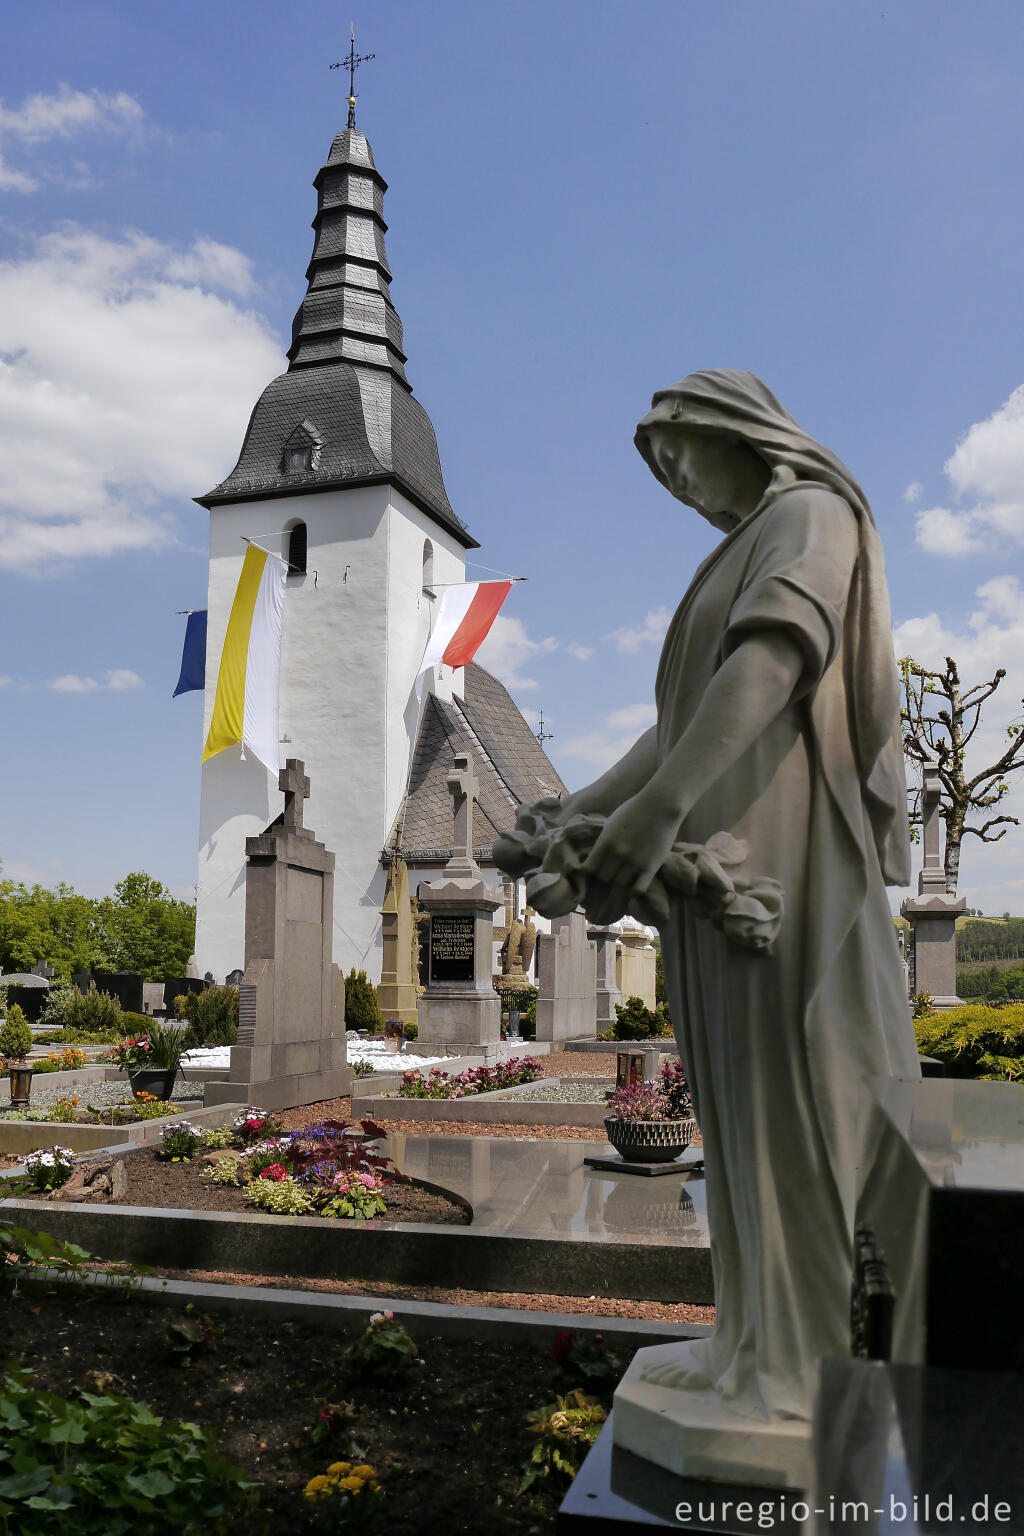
{"x": 943, "y": 1199}
{"x": 908, "y": 1449}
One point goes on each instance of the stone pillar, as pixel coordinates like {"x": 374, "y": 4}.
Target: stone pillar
{"x": 608, "y": 994}
{"x": 567, "y": 981}
{"x": 398, "y": 990}
{"x": 637, "y": 963}
{"x": 933, "y": 913}
{"x": 291, "y": 1013}
{"x": 460, "y": 1007}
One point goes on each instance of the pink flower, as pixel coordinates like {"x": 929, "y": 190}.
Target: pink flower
{"x": 276, "y": 1171}
{"x": 367, "y": 1180}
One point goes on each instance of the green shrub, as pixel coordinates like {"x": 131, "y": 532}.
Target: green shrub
{"x": 94, "y": 1010}
{"x": 635, "y": 1021}
{"x": 56, "y": 1011}
{"x": 15, "y": 1034}
{"x": 212, "y": 1016}
{"x": 80, "y": 1036}
{"x": 411, "y": 1031}
{"x": 104, "y": 1464}
{"x": 976, "y": 1041}
{"x": 362, "y": 1010}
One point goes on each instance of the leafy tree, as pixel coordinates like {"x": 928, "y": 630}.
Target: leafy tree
{"x": 362, "y": 1010}
{"x": 145, "y": 931}
{"x": 940, "y": 719}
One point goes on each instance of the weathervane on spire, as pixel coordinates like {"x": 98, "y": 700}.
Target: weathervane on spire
{"x": 352, "y": 63}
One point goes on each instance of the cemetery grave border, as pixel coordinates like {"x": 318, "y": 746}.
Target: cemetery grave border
{"x": 20, "y": 1136}
{"x": 408, "y": 1253}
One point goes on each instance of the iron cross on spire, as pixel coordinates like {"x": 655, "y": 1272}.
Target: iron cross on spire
{"x": 352, "y": 63}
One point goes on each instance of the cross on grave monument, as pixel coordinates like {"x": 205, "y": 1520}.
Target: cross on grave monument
{"x": 460, "y": 1007}
{"x": 933, "y": 913}
{"x": 464, "y": 788}
{"x": 294, "y": 785}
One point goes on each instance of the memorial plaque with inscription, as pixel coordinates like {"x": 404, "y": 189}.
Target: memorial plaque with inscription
{"x": 452, "y": 956}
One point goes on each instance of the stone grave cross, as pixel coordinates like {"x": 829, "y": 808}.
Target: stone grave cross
{"x": 294, "y": 785}
{"x": 932, "y": 876}
{"x": 464, "y": 788}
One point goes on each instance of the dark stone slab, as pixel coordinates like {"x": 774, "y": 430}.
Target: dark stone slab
{"x": 616, "y": 1492}
{"x": 617, "y": 1164}
{"x": 917, "y": 1449}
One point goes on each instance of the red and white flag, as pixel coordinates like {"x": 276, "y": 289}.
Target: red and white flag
{"x": 463, "y": 620}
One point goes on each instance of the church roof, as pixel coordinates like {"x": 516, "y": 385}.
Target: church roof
{"x": 511, "y": 767}
{"x": 346, "y": 367}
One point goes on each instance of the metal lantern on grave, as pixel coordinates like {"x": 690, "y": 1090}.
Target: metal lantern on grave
{"x": 21, "y": 1083}
{"x": 629, "y": 1069}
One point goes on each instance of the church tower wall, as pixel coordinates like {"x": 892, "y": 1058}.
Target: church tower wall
{"x": 355, "y": 626}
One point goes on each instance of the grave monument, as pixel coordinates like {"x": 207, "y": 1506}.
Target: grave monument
{"x": 608, "y": 991}
{"x": 460, "y": 1007}
{"x": 567, "y": 980}
{"x": 932, "y": 914}
{"x": 291, "y": 1007}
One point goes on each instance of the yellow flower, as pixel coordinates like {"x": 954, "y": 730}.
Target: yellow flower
{"x": 363, "y": 1470}
{"x": 339, "y": 1468}
{"x": 317, "y": 1488}
{"x": 351, "y": 1484}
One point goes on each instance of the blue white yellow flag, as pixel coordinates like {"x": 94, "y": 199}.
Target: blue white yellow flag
{"x": 193, "y": 654}
{"x": 245, "y": 709}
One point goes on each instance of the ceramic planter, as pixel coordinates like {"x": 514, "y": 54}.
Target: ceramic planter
{"x": 650, "y": 1141}
{"x": 158, "y": 1081}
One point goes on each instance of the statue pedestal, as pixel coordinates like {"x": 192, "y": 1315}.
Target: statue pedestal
{"x": 932, "y": 917}
{"x": 693, "y": 1435}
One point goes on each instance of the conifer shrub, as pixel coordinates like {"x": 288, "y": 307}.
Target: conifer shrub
{"x": 212, "y": 1016}
{"x": 362, "y": 1010}
{"x": 93, "y": 1012}
{"x": 15, "y": 1035}
{"x": 976, "y": 1041}
{"x": 635, "y": 1021}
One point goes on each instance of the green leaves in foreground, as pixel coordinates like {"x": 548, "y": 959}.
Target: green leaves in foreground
{"x": 566, "y": 1430}
{"x": 110, "y": 1465}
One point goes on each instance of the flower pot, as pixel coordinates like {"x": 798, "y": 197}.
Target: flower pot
{"x": 158, "y": 1081}
{"x": 650, "y": 1141}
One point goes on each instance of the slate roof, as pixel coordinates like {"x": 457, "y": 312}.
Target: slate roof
{"x": 510, "y": 764}
{"x": 346, "y": 366}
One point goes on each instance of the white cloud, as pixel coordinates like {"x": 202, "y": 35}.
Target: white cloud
{"x": 581, "y": 652}
{"x": 126, "y": 379}
{"x": 650, "y": 632}
{"x": 508, "y": 649}
{"x": 5, "y": 682}
{"x": 70, "y": 683}
{"x": 986, "y": 473}
{"x": 913, "y": 492}
{"x": 120, "y": 680}
{"x": 61, "y": 116}
{"x": 599, "y": 749}
{"x": 635, "y": 717}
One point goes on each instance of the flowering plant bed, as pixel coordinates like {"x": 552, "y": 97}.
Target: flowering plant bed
{"x": 54, "y": 1061}
{"x": 652, "y": 1122}
{"x": 447, "y": 1438}
{"x": 70, "y": 1110}
{"x": 441, "y": 1085}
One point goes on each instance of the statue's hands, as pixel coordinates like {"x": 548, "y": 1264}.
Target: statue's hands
{"x": 633, "y": 845}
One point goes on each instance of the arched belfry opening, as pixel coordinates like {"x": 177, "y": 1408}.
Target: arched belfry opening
{"x": 428, "y": 568}
{"x": 296, "y": 543}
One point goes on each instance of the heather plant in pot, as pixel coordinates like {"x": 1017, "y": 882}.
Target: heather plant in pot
{"x": 652, "y": 1122}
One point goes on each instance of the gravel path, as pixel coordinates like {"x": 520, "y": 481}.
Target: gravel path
{"x": 592, "y": 1090}
{"x": 103, "y": 1095}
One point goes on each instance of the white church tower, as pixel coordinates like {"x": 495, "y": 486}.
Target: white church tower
{"x": 339, "y": 472}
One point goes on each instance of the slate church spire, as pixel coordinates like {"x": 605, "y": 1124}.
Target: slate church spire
{"x": 344, "y": 413}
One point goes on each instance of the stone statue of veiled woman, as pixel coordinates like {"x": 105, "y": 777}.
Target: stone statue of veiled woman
{"x": 778, "y": 711}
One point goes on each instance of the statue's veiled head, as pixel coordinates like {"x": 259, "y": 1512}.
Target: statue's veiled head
{"x": 719, "y": 438}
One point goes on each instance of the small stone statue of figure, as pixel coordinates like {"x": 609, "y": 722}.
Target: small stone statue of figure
{"x": 516, "y": 953}
{"x": 778, "y": 715}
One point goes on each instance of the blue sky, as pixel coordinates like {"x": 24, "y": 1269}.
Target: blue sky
{"x": 586, "y": 201}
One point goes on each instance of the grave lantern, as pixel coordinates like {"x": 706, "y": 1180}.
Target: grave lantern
{"x": 21, "y": 1083}
{"x": 629, "y": 1068}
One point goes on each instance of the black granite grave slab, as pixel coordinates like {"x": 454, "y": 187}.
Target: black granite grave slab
{"x": 616, "y": 1492}
{"x": 617, "y": 1164}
